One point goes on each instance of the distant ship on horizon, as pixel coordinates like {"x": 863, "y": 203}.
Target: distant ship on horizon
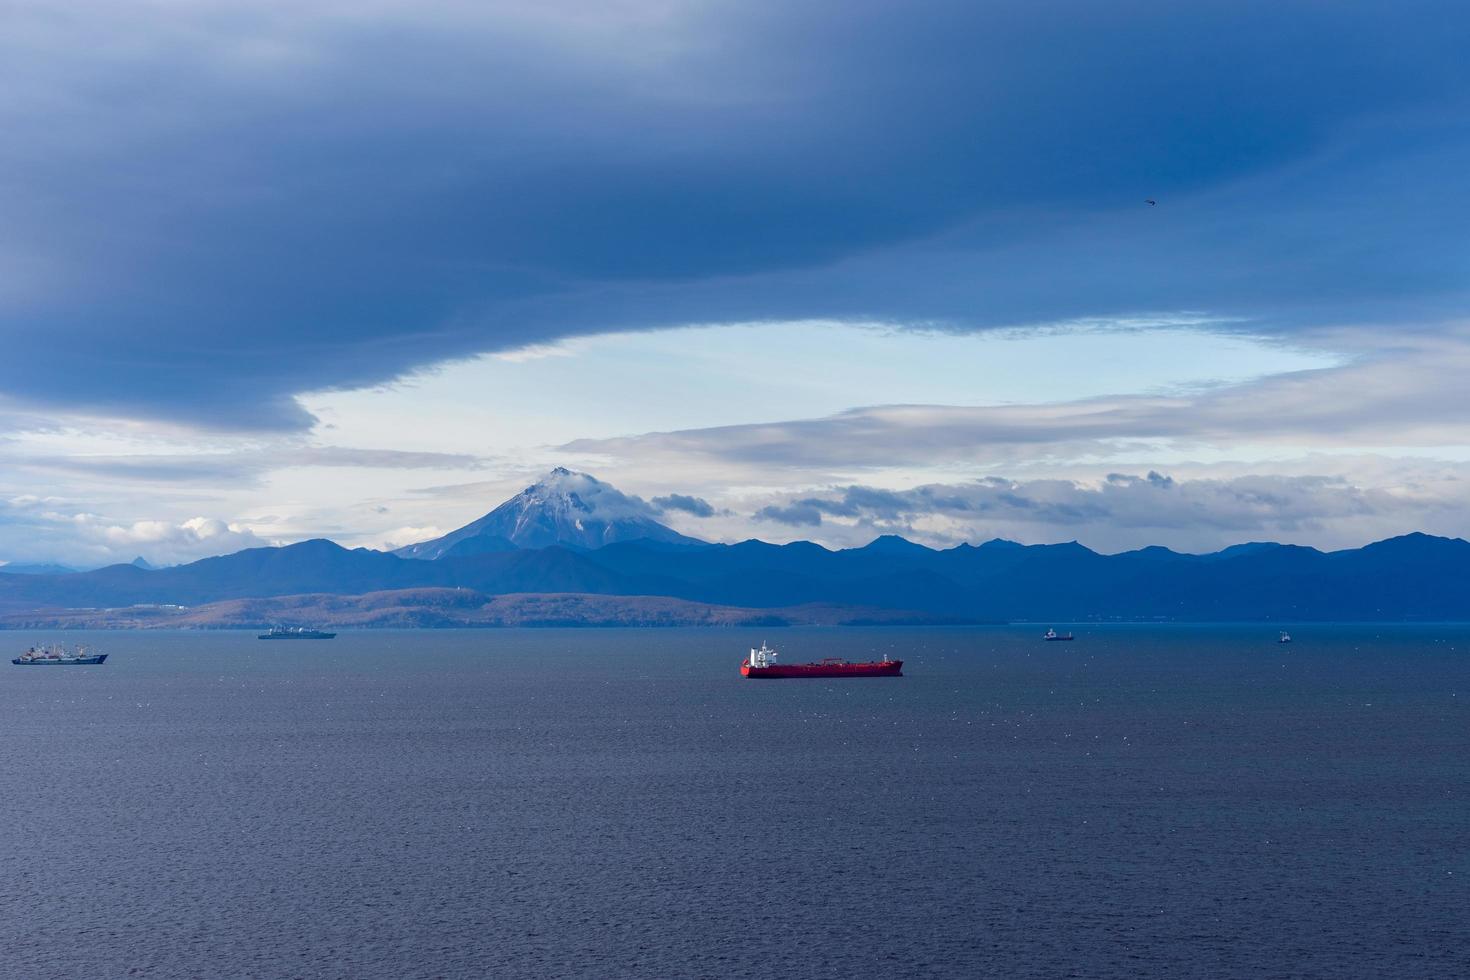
{"x": 762, "y": 664}
{"x": 1052, "y": 635}
{"x": 294, "y": 633}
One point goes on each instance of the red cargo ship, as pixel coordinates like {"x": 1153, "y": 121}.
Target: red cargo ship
{"x": 762, "y": 663}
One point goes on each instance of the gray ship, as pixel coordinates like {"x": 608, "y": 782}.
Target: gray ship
{"x": 59, "y": 656}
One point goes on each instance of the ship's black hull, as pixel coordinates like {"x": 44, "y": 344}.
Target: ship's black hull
{"x": 313, "y": 636}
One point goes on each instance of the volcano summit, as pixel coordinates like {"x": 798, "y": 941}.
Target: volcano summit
{"x": 563, "y": 508}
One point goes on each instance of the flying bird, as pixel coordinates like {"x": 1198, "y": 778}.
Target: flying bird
{"x": 1150, "y": 201}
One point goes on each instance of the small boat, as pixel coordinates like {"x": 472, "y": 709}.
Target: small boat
{"x": 762, "y": 663}
{"x": 294, "y": 633}
{"x": 1053, "y": 635}
{"x": 1285, "y": 637}
{"x": 59, "y": 656}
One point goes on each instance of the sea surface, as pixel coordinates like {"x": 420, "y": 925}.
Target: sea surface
{"x": 1143, "y": 802}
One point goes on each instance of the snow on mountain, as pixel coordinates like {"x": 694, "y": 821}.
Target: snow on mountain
{"x": 565, "y": 508}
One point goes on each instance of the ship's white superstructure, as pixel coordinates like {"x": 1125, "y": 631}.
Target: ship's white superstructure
{"x": 764, "y": 657}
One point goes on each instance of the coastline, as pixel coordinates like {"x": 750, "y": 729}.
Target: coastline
{"x": 462, "y": 608}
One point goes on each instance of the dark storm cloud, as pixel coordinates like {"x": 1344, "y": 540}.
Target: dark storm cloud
{"x": 209, "y": 208}
{"x": 799, "y": 514}
{"x": 855, "y": 502}
{"x": 697, "y": 506}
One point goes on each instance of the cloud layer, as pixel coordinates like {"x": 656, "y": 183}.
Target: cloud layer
{"x": 212, "y": 207}
{"x": 1400, "y": 391}
{"x": 1124, "y": 511}
{"x": 240, "y": 466}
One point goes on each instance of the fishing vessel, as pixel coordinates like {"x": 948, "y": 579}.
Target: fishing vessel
{"x": 294, "y": 633}
{"x": 762, "y": 663}
{"x": 59, "y": 656}
{"x": 1050, "y": 635}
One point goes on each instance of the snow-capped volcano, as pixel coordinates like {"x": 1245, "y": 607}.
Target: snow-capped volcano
{"x": 562, "y": 508}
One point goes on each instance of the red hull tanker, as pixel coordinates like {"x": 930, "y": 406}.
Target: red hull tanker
{"x": 762, "y": 663}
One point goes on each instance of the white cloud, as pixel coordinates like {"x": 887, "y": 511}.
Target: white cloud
{"x": 163, "y": 542}
{"x": 537, "y": 352}
{"x": 402, "y": 536}
{"x": 35, "y": 530}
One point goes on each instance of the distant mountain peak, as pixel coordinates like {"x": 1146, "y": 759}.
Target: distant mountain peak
{"x": 562, "y": 508}
{"x": 1244, "y": 548}
{"x": 893, "y": 544}
{"x": 1155, "y": 552}
{"x": 1416, "y": 542}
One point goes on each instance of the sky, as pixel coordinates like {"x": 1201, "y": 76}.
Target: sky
{"x": 272, "y": 271}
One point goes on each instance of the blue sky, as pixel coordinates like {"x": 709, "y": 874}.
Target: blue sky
{"x": 272, "y": 270}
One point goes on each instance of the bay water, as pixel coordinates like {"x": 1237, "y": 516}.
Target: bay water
{"x": 1147, "y": 801}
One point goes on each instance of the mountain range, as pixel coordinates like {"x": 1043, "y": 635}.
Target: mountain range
{"x": 572, "y": 535}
